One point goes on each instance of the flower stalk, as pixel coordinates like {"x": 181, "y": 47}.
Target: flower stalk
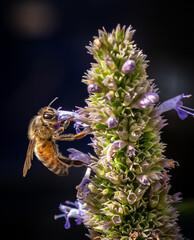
{"x": 128, "y": 196}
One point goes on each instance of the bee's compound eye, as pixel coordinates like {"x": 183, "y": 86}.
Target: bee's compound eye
{"x": 47, "y": 116}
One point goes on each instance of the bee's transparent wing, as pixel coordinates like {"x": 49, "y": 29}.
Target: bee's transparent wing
{"x": 29, "y": 157}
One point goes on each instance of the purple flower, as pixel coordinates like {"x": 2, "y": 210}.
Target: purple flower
{"x": 146, "y": 100}
{"x": 64, "y": 115}
{"x": 176, "y": 104}
{"x": 112, "y": 122}
{"x": 72, "y": 116}
{"x": 80, "y": 127}
{"x": 130, "y": 150}
{"x": 94, "y": 88}
{"x": 78, "y": 155}
{"x": 69, "y": 212}
{"x": 128, "y": 67}
{"x": 82, "y": 188}
{"x": 149, "y": 98}
{"x": 175, "y": 198}
{"x": 118, "y": 145}
{"x": 143, "y": 179}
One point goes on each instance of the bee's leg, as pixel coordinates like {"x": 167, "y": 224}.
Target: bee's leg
{"x": 67, "y": 122}
{"x": 63, "y": 127}
{"x": 69, "y": 137}
{"x": 55, "y": 147}
{"x": 59, "y": 131}
{"x": 70, "y": 162}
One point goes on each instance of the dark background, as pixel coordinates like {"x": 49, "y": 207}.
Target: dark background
{"x": 44, "y": 56}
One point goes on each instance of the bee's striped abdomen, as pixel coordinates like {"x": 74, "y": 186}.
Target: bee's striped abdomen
{"x": 45, "y": 152}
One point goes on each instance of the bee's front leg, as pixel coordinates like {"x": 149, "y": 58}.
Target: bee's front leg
{"x": 62, "y": 126}
{"x": 69, "y": 137}
{"x": 67, "y": 122}
{"x": 59, "y": 131}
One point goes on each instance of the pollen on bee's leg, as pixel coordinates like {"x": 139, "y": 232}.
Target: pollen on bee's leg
{"x": 80, "y": 135}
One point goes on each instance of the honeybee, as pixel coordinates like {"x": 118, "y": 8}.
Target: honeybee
{"x": 43, "y": 132}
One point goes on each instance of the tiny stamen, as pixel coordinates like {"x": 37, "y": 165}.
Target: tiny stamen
{"x": 70, "y": 203}
{"x": 192, "y": 114}
{"x": 187, "y": 96}
{"x": 59, "y": 216}
{"x": 187, "y": 108}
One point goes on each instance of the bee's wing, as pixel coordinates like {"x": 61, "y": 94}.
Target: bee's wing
{"x": 29, "y": 157}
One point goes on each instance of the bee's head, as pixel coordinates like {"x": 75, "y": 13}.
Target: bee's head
{"x": 48, "y": 115}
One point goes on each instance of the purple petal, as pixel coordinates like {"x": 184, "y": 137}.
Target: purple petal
{"x": 112, "y": 122}
{"x": 153, "y": 97}
{"x": 64, "y": 115}
{"x": 63, "y": 208}
{"x": 94, "y": 88}
{"x": 67, "y": 224}
{"x": 79, "y": 126}
{"x": 143, "y": 179}
{"x": 83, "y": 189}
{"x": 78, "y": 155}
{"x": 181, "y": 113}
{"x": 118, "y": 145}
{"x": 128, "y": 67}
{"x": 70, "y": 212}
{"x": 146, "y": 100}
{"x": 179, "y": 104}
{"x": 78, "y": 221}
{"x": 169, "y": 104}
{"x": 131, "y": 150}
{"x": 176, "y": 104}
{"x": 144, "y": 103}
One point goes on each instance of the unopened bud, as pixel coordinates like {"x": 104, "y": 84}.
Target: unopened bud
{"x": 128, "y": 67}
{"x": 112, "y": 122}
{"x": 94, "y": 88}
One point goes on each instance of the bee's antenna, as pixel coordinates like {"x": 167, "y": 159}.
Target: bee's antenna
{"x": 52, "y": 101}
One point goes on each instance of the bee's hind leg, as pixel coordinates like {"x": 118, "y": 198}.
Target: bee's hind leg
{"x": 69, "y": 137}
{"x": 70, "y": 162}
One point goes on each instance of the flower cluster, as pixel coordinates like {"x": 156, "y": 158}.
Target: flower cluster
{"x": 76, "y": 212}
{"x": 128, "y": 196}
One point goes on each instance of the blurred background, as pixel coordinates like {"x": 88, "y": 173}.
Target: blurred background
{"x": 44, "y": 56}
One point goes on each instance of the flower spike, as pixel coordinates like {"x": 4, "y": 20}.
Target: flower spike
{"x": 127, "y": 197}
